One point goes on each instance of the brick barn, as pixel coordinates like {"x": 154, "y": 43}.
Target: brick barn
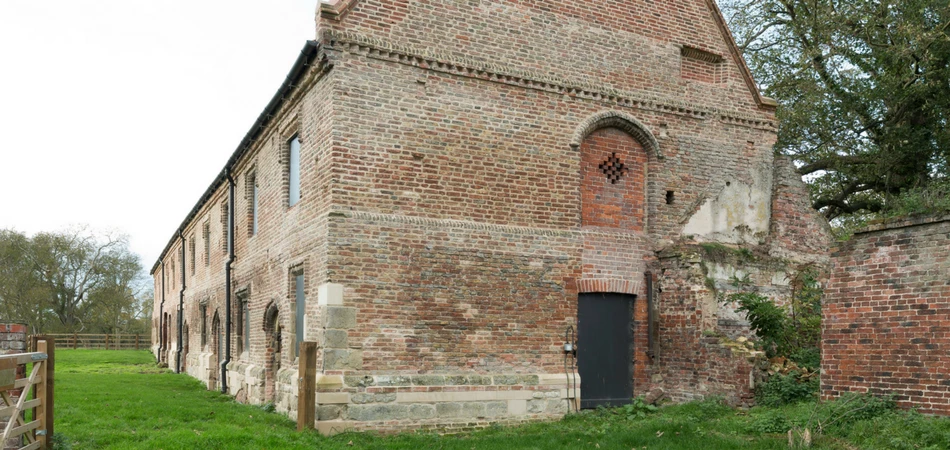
{"x": 443, "y": 191}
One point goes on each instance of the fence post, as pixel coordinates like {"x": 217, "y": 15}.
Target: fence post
{"x": 307, "y": 386}
{"x": 107, "y": 341}
{"x": 50, "y": 378}
{"x": 44, "y": 389}
{"x": 40, "y": 393}
{"x": 74, "y": 341}
{"x": 136, "y": 341}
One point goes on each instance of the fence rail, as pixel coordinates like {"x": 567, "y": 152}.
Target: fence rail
{"x": 102, "y": 341}
{"x": 15, "y": 383}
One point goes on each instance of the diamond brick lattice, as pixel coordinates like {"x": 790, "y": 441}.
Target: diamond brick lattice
{"x": 613, "y": 168}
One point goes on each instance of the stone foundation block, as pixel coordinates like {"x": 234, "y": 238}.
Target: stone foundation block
{"x": 339, "y": 359}
{"x": 340, "y": 317}
{"x": 393, "y": 380}
{"x": 428, "y": 380}
{"x": 363, "y": 398}
{"x": 421, "y": 411}
{"x": 328, "y": 412}
{"x": 495, "y": 409}
{"x": 371, "y": 413}
{"x": 335, "y": 339}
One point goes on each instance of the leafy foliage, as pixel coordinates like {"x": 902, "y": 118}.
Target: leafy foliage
{"x": 864, "y": 102}
{"x": 73, "y": 281}
{"x": 771, "y": 422}
{"x": 765, "y": 318}
{"x": 793, "y": 331}
{"x": 786, "y": 389}
{"x": 637, "y": 409}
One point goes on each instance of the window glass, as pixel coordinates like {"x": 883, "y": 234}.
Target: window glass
{"x": 294, "y": 169}
{"x": 254, "y": 208}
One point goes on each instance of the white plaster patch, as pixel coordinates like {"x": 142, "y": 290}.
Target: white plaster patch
{"x": 739, "y": 214}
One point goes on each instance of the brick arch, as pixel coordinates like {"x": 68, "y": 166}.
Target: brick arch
{"x": 271, "y": 316}
{"x": 620, "y": 120}
{"x": 272, "y": 358}
{"x": 615, "y": 285}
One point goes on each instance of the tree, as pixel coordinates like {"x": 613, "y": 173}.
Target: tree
{"x": 22, "y": 296}
{"x": 71, "y": 281}
{"x": 863, "y": 93}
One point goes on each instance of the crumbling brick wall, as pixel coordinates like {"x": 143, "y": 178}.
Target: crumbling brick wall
{"x": 12, "y": 338}
{"x": 886, "y": 315}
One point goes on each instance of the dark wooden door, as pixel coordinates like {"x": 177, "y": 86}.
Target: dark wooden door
{"x": 605, "y": 349}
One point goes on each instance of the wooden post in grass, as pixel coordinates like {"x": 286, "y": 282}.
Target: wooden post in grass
{"x": 307, "y": 386}
{"x": 43, "y": 390}
{"x": 107, "y": 341}
{"x": 74, "y": 341}
{"x": 50, "y": 378}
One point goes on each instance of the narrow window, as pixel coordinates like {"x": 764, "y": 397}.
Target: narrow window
{"x": 191, "y": 250}
{"x": 239, "y": 329}
{"x": 247, "y": 324}
{"x": 204, "y": 325}
{"x": 252, "y": 210}
{"x": 206, "y": 235}
{"x": 670, "y": 197}
{"x": 301, "y": 309}
{"x": 224, "y": 226}
{"x": 293, "y": 189}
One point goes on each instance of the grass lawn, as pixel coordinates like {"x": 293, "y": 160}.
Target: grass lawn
{"x": 121, "y": 400}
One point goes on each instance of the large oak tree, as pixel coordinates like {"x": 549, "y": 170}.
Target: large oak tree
{"x": 863, "y": 92}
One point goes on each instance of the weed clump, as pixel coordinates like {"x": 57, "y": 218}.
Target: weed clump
{"x": 786, "y": 389}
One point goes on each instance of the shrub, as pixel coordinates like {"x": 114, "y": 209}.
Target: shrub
{"x": 781, "y": 389}
{"x": 793, "y": 331}
{"x": 771, "y": 422}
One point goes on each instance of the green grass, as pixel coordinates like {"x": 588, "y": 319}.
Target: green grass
{"x": 121, "y": 400}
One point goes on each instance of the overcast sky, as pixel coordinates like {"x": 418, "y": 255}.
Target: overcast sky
{"x": 119, "y": 113}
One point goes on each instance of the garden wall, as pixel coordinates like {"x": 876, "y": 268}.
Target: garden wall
{"x": 886, "y": 316}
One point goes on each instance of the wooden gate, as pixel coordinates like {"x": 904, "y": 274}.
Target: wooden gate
{"x": 605, "y": 348}
{"x": 36, "y": 433}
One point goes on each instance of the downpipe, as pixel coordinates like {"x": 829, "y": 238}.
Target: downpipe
{"x": 181, "y": 304}
{"x": 227, "y": 285}
{"x": 161, "y": 317}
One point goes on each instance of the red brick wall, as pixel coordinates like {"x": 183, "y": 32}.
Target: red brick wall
{"x": 628, "y": 45}
{"x": 442, "y": 189}
{"x": 796, "y": 231}
{"x": 12, "y": 338}
{"x": 434, "y": 296}
{"x": 614, "y": 199}
{"x": 886, "y": 315}
{"x": 688, "y": 363}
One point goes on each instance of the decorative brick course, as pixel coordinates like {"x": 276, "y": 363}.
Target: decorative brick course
{"x": 886, "y": 315}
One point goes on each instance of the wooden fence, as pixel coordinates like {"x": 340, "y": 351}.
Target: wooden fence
{"x": 103, "y": 341}
{"x": 38, "y": 432}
